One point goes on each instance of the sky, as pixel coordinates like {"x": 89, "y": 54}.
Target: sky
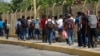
{"x": 7, "y": 0}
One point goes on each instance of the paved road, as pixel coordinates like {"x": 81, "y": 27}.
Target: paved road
{"x": 12, "y": 50}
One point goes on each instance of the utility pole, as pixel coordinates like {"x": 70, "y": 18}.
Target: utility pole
{"x": 35, "y": 13}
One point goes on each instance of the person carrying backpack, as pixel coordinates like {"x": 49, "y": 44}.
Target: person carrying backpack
{"x": 69, "y": 27}
{"x": 50, "y": 30}
{"x": 24, "y": 28}
{"x": 31, "y": 28}
{"x": 93, "y": 27}
{"x": 18, "y": 29}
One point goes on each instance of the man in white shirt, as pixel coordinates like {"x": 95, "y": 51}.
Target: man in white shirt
{"x": 60, "y": 23}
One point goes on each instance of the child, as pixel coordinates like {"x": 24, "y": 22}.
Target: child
{"x": 56, "y": 35}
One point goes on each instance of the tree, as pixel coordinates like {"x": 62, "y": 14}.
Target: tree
{"x": 4, "y": 7}
{"x": 15, "y": 4}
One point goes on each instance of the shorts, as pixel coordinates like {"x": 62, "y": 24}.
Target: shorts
{"x": 59, "y": 29}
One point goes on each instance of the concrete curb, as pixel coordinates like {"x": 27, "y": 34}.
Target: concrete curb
{"x": 13, "y": 35}
{"x": 68, "y": 50}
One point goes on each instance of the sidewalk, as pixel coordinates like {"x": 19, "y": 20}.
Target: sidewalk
{"x": 59, "y": 47}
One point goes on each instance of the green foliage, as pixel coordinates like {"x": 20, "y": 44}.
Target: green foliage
{"x": 4, "y": 7}
{"x": 92, "y": 1}
{"x": 15, "y": 4}
{"x": 28, "y": 4}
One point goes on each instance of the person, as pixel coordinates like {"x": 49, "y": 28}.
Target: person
{"x": 79, "y": 27}
{"x": 60, "y": 26}
{"x": 29, "y": 27}
{"x": 32, "y": 26}
{"x": 24, "y": 28}
{"x": 60, "y": 23}
{"x": 18, "y": 29}
{"x": 6, "y": 28}
{"x": 1, "y": 26}
{"x": 43, "y": 28}
{"x": 98, "y": 26}
{"x": 50, "y": 29}
{"x": 57, "y": 37}
{"x": 37, "y": 29}
{"x": 72, "y": 18}
{"x": 84, "y": 30}
{"x": 69, "y": 26}
{"x": 92, "y": 30}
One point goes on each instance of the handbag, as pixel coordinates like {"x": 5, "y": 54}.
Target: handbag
{"x": 64, "y": 34}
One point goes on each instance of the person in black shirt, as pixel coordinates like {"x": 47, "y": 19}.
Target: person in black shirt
{"x": 6, "y": 28}
{"x": 84, "y": 30}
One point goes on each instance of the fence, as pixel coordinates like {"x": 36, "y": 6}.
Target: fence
{"x": 56, "y": 10}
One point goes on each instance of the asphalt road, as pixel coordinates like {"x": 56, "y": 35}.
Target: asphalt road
{"x": 12, "y": 50}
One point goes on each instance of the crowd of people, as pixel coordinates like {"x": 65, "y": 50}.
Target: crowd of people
{"x": 28, "y": 28}
{"x": 53, "y": 29}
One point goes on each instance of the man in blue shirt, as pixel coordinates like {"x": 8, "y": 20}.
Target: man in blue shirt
{"x": 1, "y": 27}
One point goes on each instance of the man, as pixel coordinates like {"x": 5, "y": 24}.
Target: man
{"x": 93, "y": 26}
{"x": 69, "y": 27}
{"x": 79, "y": 27}
{"x": 43, "y": 27}
{"x": 18, "y": 29}
{"x": 29, "y": 21}
{"x": 6, "y": 28}
{"x": 50, "y": 29}
{"x": 1, "y": 26}
{"x": 37, "y": 29}
{"x": 98, "y": 26}
{"x": 60, "y": 23}
{"x": 24, "y": 27}
{"x": 32, "y": 25}
{"x": 84, "y": 29}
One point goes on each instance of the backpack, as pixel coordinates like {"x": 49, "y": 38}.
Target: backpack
{"x": 92, "y": 20}
{"x": 32, "y": 24}
{"x": 70, "y": 24}
{"x": 50, "y": 25}
{"x": 24, "y": 23}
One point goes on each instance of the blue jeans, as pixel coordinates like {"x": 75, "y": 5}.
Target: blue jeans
{"x": 70, "y": 36}
{"x": 60, "y": 29}
{"x": 24, "y": 33}
{"x": 30, "y": 33}
{"x": 50, "y": 36}
{"x": 37, "y": 33}
{"x": 98, "y": 35}
{"x": 87, "y": 36}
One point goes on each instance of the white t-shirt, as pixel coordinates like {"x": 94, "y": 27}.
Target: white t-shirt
{"x": 50, "y": 20}
{"x": 29, "y": 21}
{"x": 73, "y": 19}
{"x": 8, "y": 26}
{"x": 37, "y": 26}
{"x": 60, "y": 22}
